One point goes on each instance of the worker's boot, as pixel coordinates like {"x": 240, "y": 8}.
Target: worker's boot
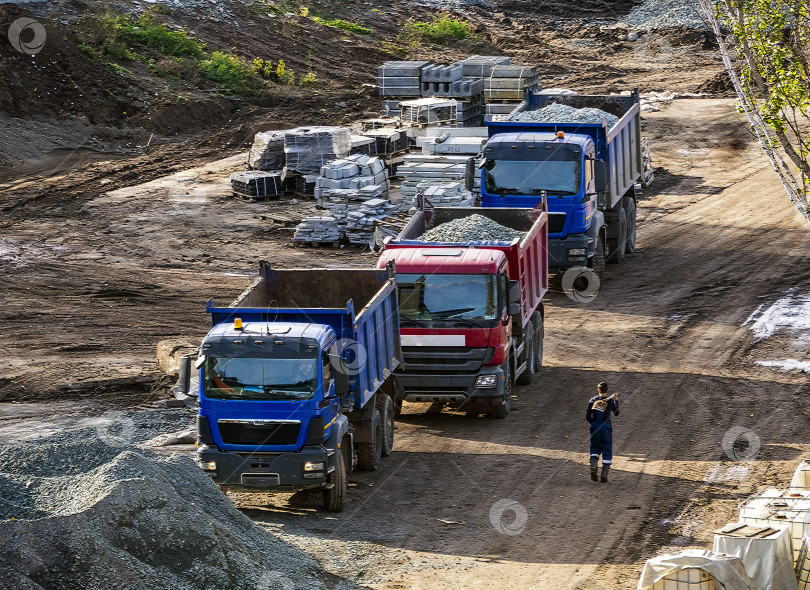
{"x": 605, "y": 471}
{"x": 595, "y": 468}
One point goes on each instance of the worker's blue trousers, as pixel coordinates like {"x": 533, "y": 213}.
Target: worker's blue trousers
{"x": 602, "y": 442}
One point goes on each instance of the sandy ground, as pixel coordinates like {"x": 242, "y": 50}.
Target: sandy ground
{"x": 88, "y": 295}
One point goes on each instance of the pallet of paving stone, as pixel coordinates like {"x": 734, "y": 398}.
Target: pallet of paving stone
{"x": 267, "y": 151}
{"x": 427, "y": 111}
{"x": 400, "y": 78}
{"x": 363, "y": 145}
{"x": 389, "y": 141}
{"x": 306, "y": 149}
{"x": 255, "y": 185}
{"x": 305, "y": 185}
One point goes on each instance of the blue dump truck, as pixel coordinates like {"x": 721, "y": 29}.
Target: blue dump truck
{"x": 295, "y": 386}
{"x": 588, "y": 173}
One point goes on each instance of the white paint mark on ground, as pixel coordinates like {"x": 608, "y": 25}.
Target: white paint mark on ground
{"x": 790, "y": 313}
{"x": 786, "y": 365}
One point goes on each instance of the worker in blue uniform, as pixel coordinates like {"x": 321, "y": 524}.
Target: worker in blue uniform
{"x": 598, "y": 415}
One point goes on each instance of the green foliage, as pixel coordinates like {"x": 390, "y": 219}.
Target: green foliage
{"x": 284, "y": 75}
{"x": 119, "y": 51}
{"x": 89, "y": 51}
{"x": 148, "y": 31}
{"x": 344, "y": 25}
{"x": 231, "y": 72}
{"x": 119, "y": 70}
{"x": 443, "y": 29}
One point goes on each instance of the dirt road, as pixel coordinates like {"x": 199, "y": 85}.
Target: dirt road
{"x": 717, "y": 239}
{"x": 87, "y": 296}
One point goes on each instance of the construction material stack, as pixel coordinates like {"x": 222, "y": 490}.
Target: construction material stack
{"x": 306, "y": 149}
{"x": 416, "y": 169}
{"x": 400, "y": 79}
{"x": 256, "y": 185}
{"x": 508, "y": 83}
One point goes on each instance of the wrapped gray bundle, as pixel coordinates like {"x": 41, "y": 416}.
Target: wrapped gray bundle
{"x": 267, "y": 152}
{"x": 306, "y": 149}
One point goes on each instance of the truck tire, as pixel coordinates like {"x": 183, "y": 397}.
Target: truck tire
{"x": 527, "y": 376}
{"x": 537, "y": 320}
{"x": 501, "y": 406}
{"x": 597, "y": 261}
{"x": 618, "y": 245}
{"x": 369, "y": 454}
{"x": 334, "y": 498}
{"x": 386, "y": 407}
{"x": 630, "y": 210}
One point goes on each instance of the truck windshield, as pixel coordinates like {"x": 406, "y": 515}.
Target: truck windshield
{"x": 447, "y": 297}
{"x": 248, "y": 378}
{"x": 523, "y": 177}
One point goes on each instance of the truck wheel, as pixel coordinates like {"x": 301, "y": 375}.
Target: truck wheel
{"x": 630, "y": 210}
{"x": 501, "y": 406}
{"x": 618, "y": 246}
{"x": 334, "y": 498}
{"x": 537, "y": 320}
{"x": 527, "y": 376}
{"x": 369, "y": 454}
{"x": 597, "y": 261}
{"x": 397, "y": 407}
{"x": 386, "y": 407}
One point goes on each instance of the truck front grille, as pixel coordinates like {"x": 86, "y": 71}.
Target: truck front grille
{"x": 246, "y": 433}
{"x": 556, "y": 223}
{"x": 433, "y": 360}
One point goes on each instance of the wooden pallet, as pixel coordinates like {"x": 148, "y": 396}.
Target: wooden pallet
{"x": 299, "y": 244}
{"x": 254, "y": 199}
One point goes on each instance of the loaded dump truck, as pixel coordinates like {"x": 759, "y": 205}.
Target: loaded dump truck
{"x": 471, "y": 311}
{"x": 586, "y": 165}
{"x": 295, "y": 385}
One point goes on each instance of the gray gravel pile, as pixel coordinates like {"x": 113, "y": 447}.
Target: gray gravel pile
{"x": 561, "y": 113}
{"x": 660, "y": 14}
{"x": 129, "y": 519}
{"x": 475, "y": 228}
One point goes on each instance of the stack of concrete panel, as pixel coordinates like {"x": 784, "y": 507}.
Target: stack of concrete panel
{"x": 389, "y": 141}
{"x": 390, "y": 108}
{"x": 428, "y": 111}
{"x": 267, "y": 151}
{"x": 306, "y": 149}
{"x": 400, "y": 78}
{"x": 360, "y": 223}
{"x": 357, "y": 177}
{"x": 446, "y": 194}
{"x": 480, "y": 66}
{"x": 433, "y": 169}
{"x": 470, "y": 113}
{"x": 257, "y": 185}
{"x": 305, "y": 185}
{"x": 453, "y": 140}
{"x": 500, "y": 108}
{"x": 361, "y": 144}
{"x": 317, "y": 230}
{"x": 506, "y": 83}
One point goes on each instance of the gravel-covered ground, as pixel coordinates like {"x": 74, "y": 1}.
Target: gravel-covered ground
{"x": 79, "y": 512}
{"x": 475, "y": 228}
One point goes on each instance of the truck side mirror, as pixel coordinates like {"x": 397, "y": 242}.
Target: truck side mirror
{"x": 183, "y": 375}
{"x": 514, "y": 297}
{"x": 341, "y": 375}
{"x": 600, "y": 176}
{"x": 469, "y": 175}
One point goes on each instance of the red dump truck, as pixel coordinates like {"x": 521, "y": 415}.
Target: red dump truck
{"x": 471, "y": 313}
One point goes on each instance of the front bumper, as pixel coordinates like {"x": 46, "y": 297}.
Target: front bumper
{"x": 454, "y": 389}
{"x": 558, "y": 251}
{"x": 280, "y": 472}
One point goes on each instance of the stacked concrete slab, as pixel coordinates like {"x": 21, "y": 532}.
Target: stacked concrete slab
{"x": 267, "y": 151}
{"x": 501, "y": 108}
{"x": 306, "y": 149}
{"x": 360, "y": 224}
{"x": 401, "y": 78}
{"x": 446, "y": 194}
{"x": 453, "y": 141}
{"x": 317, "y": 230}
{"x": 507, "y": 83}
{"x": 480, "y": 66}
{"x": 433, "y": 169}
{"x": 389, "y": 141}
{"x": 257, "y": 185}
{"x": 470, "y": 113}
{"x": 363, "y": 145}
{"x": 357, "y": 178}
{"x": 428, "y": 111}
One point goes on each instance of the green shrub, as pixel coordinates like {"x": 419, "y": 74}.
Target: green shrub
{"x": 345, "y": 25}
{"x": 89, "y": 51}
{"x": 147, "y": 30}
{"x": 231, "y": 72}
{"x": 118, "y": 51}
{"x": 443, "y": 29}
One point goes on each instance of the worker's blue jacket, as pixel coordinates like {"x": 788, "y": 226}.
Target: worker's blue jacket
{"x": 598, "y": 414}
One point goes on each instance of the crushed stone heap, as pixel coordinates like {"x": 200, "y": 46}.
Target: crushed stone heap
{"x": 81, "y": 513}
{"x": 561, "y": 113}
{"x": 475, "y": 228}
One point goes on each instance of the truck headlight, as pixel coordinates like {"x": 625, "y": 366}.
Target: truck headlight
{"x": 313, "y": 466}
{"x": 576, "y": 252}
{"x": 207, "y": 465}
{"x": 486, "y": 381}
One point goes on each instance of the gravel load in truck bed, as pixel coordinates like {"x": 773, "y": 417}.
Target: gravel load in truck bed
{"x": 80, "y": 513}
{"x": 475, "y": 228}
{"x": 561, "y": 113}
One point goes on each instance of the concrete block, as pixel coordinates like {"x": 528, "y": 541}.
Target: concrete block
{"x": 401, "y": 68}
